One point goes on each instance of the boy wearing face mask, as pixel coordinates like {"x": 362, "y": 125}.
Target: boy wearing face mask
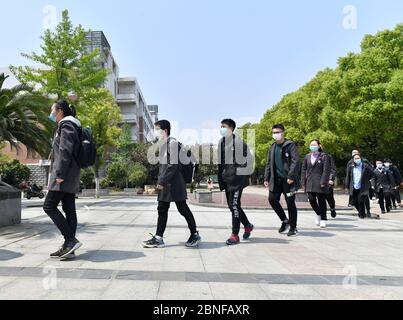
{"x": 282, "y": 176}
{"x": 395, "y": 195}
{"x": 359, "y": 181}
{"x": 235, "y": 166}
{"x": 384, "y": 183}
{"x": 371, "y": 192}
{"x": 171, "y": 187}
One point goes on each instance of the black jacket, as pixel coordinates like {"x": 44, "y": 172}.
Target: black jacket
{"x": 170, "y": 176}
{"x": 396, "y": 175}
{"x": 315, "y": 177}
{"x": 333, "y": 169}
{"x": 64, "y": 165}
{"x": 292, "y": 164}
{"x": 367, "y": 178}
{"x": 384, "y": 180}
{"x": 234, "y": 175}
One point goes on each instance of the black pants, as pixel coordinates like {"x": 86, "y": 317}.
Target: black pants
{"x": 238, "y": 215}
{"x": 397, "y": 195}
{"x": 184, "y": 210}
{"x": 384, "y": 198}
{"x": 330, "y": 199}
{"x": 318, "y": 204}
{"x": 67, "y": 225}
{"x": 282, "y": 187}
{"x": 359, "y": 202}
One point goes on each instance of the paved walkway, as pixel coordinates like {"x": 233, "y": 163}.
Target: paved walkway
{"x": 352, "y": 259}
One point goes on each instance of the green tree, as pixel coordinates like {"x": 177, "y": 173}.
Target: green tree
{"x": 100, "y": 112}
{"x": 65, "y": 64}
{"x": 359, "y": 104}
{"x": 14, "y": 172}
{"x": 24, "y": 118}
{"x": 138, "y": 175}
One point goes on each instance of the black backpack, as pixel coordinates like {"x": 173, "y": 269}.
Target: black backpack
{"x": 87, "y": 152}
{"x": 190, "y": 168}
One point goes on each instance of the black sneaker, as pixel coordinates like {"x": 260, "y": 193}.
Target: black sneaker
{"x": 369, "y": 215}
{"x": 193, "y": 241}
{"x": 383, "y": 212}
{"x": 333, "y": 213}
{"x": 154, "y": 243}
{"x": 293, "y": 232}
{"x": 57, "y": 254}
{"x": 248, "y": 231}
{"x": 70, "y": 256}
{"x": 284, "y": 227}
{"x": 70, "y": 247}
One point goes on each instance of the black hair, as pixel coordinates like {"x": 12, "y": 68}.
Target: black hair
{"x": 230, "y": 123}
{"x": 319, "y": 144}
{"x": 67, "y": 108}
{"x": 387, "y": 160}
{"x": 279, "y": 126}
{"x": 164, "y": 125}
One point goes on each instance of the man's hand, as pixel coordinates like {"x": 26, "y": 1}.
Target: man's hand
{"x": 266, "y": 184}
{"x": 159, "y": 187}
{"x": 59, "y": 181}
{"x": 331, "y": 182}
{"x": 289, "y": 181}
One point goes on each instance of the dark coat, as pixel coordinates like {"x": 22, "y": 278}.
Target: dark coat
{"x": 367, "y": 179}
{"x": 64, "y": 165}
{"x": 234, "y": 175}
{"x": 333, "y": 169}
{"x": 292, "y": 165}
{"x": 396, "y": 175}
{"x": 170, "y": 176}
{"x": 315, "y": 178}
{"x": 384, "y": 180}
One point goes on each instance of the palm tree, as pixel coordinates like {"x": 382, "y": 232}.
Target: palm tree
{"x": 24, "y": 118}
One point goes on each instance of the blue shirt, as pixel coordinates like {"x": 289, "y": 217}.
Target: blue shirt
{"x": 357, "y": 174}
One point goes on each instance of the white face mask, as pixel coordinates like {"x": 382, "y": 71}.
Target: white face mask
{"x": 277, "y": 136}
{"x": 159, "y": 134}
{"x": 379, "y": 165}
{"x": 387, "y": 165}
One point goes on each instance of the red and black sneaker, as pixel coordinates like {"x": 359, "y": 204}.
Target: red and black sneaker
{"x": 233, "y": 240}
{"x": 248, "y": 231}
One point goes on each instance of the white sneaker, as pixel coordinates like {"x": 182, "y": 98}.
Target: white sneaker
{"x": 318, "y": 220}
{"x": 323, "y": 224}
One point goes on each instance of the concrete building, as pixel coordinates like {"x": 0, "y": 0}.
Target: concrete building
{"x": 127, "y": 92}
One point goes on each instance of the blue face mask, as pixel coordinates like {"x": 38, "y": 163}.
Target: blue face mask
{"x": 314, "y": 148}
{"x": 224, "y": 132}
{"x": 357, "y": 162}
{"x": 52, "y": 117}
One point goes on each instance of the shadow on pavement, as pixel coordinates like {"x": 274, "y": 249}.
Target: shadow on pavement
{"x": 109, "y": 255}
{"x": 6, "y": 255}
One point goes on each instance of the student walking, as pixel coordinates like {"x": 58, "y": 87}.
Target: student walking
{"x": 315, "y": 176}
{"x": 359, "y": 181}
{"x": 330, "y": 195}
{"x": 64, "y": 182}
{"x": 395, "y": 196}
{"x": 235, "y": 166}
{"x": 172, "y": 187}
{"x": 384, "y": 186}
{"x": 371, "y": 194}
{"x": 282, "y": 176}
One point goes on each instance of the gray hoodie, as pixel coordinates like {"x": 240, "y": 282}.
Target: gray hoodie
{"x": 65, "y": 149}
